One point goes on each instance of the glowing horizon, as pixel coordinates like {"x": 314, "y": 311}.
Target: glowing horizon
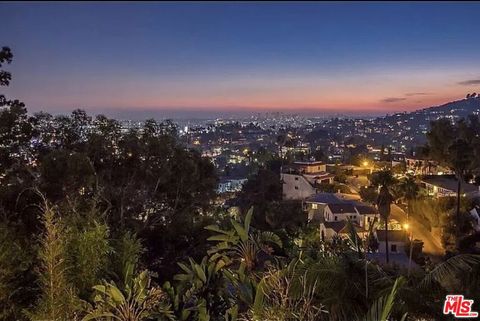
{"x": 232, "y": 57}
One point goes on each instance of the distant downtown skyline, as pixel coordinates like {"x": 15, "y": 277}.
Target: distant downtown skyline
{"x": 203, "y": 59}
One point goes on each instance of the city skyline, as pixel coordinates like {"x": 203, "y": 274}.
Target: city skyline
{"x": 239, "y": 58}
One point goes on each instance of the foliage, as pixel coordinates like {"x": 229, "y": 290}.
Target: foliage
{"x": 124, "y": 211}
{"x": 369, "y": 194}
{"x": 138, "y": 300}
{"x": 58, "y": 300}
{"x": 88, "y": 251}
{"x": 16, "y": 275}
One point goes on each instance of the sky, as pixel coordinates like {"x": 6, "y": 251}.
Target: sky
{"x": 194, "y": 58}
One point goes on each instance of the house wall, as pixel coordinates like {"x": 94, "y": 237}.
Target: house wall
{"x": 309, "y": 169}
{"x": 326, "y": 233}
{"x": 400, "y": 247}
{"x": 330, "y": 217}
{"x": 296, "y": 187}
{"x": 364, "y": 222}
{"x": 312, "y": 179}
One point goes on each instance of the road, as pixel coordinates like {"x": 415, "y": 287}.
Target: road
{"x": 431, "y": 245}
{"x": 355, "y": 183}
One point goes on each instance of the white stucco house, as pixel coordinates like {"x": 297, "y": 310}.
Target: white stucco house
{"x": 302, "y": 179}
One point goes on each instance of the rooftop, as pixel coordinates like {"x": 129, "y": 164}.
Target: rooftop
{"x": 449, "y": 182}
{"x": 366, "y": 209}
{"x": 309, "y": 163}
{"x": 340, "y": 227}
{"x": 393, "y": 236}
{"x": 335, "y": 200}
{"x": 342, "y": 208}
{"x": 325, "y": 198}
{"x": 336, "y": 226}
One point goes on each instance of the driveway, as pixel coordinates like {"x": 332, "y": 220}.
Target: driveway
{"x": 431, "y": 244}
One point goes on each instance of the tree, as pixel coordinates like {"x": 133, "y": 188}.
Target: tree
{"x": 6, "y": 56}
{"x": 382, "y": 178}
{"x": 384, "y": 202}
{"x": 369, "y": 194}
{"x": 15, "y": 128}
{"x": 409, "y": 191}
{"x": 453, "y": 146}
{"x": 319, "y": 155}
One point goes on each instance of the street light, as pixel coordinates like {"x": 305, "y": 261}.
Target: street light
{"x": 406, "y": 226}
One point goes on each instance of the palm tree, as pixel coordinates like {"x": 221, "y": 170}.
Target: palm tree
{"x": 384, "y": 202}
{"x": 409, "y": 191}
{"x": 451, "y": 145}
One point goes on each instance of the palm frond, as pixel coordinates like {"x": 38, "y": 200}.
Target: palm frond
{"x": 381, "y": 308}
{"x": 449, "y": 269}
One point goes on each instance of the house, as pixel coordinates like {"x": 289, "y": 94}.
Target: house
{"x": 397, "y": 240}
{"x": 367, "y": 213}
{"x": 341, "y": 212}
{"x": 475, "y": 213}
{"x": 339, "y": 207}
{"x": 398, "y": 249}
{"x": 446, "y": 185}
{"x": 302, "y": 179}
{"x": 230, "y": 185}
{"x": 420, "y": 166}
{"x": 333, "y": 211}
{"x": 332, "y": 230}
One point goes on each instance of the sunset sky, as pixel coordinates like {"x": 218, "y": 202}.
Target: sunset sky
{"x": 135, "y": 58}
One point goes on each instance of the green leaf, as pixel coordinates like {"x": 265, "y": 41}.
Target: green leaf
{"x": 240, "y": 231}
{"x": 116, "y": 294}
{"x": 248, "y": 219}
{"x": 184, "y": 267}
{"x": 222, "y": 238}
{"x": 98, "y": 315}
{"x": 220, "y": 264}
{"x": 381, "y": 308}
{"x": 200, "y": 273}
{"x": 215, "y": 228}
{"x": 462, "y": 263}
{"x": 259, "y": 298}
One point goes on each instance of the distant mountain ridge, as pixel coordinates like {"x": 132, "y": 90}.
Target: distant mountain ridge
{"x": 467, "y": 105}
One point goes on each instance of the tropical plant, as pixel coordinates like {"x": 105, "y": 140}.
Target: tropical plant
{"x": 285, "y": 294}
{"x": 384, "y": 202}
{"x": 138, "y": 300}
{"x": 382, "y": 307}
{"x": 242, "y": 244}
{"x": 409, "y": 190}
